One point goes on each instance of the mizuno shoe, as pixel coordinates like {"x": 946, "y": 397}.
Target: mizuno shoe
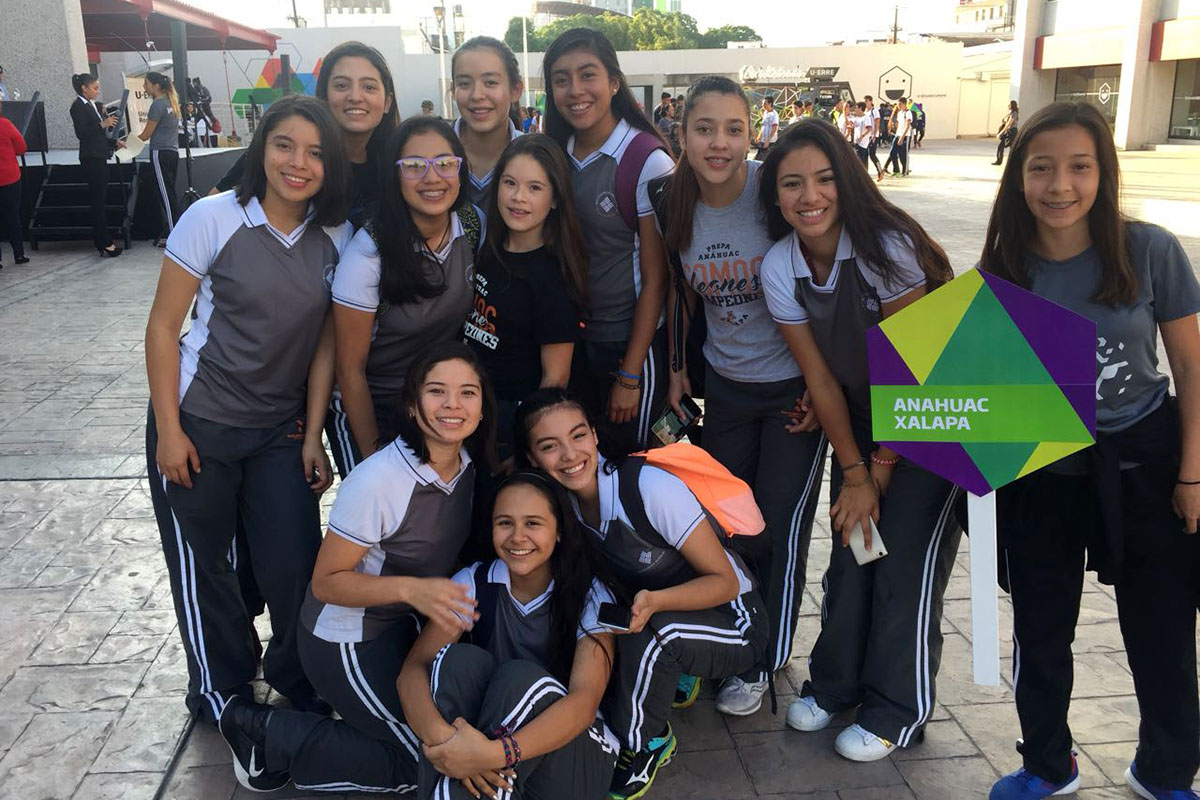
{"x": 635, "y": 771}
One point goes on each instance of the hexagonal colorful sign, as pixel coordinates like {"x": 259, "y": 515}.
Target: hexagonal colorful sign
{"x": 983, "y": 382}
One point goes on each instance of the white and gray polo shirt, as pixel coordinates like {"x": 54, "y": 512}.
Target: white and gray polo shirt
{"x": 410, "y": 521}
{"x": 402, "y": 331}
{"x": 480, "y": 189}
{"x": 614, "y": 257}
{"x": 258, "y": 313}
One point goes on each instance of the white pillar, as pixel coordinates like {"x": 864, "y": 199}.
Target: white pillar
{"x": 1031, "y": 88}
{"x": 1134, "y": 102}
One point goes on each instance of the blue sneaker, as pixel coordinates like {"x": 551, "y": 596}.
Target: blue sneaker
{"x": 1024, "y": 785}
{"x": 686, "y": 690}
{"x": 1151, "y": 792}
{"x": 635, "y": 772}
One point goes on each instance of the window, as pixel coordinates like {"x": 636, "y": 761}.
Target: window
{"x": 1095, "y": 85}
{"x": 1185, "y": 108}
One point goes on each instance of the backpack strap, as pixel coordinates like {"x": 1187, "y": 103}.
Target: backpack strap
{"x": 486, "y": 595}
{"x": 629, "y": 169}
{"x": 629, "y": 491}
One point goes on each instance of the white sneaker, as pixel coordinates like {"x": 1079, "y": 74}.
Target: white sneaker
{"x": 740, "y": 698}
{"x": 859, "y": 744}
{"x": 805, "y": 715}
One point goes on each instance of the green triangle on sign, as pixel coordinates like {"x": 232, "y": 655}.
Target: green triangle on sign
{"x": 1000, "y": 462}
{"x": 970, "y": 357}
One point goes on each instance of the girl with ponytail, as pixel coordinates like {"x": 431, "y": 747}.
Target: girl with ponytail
{"x": 162, "y": 132}
{"x": 716, "y": 238}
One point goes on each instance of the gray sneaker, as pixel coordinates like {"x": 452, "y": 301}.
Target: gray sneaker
{"x": 740, "y": 698}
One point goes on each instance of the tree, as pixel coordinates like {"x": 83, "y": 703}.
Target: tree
{"x": 648, "y": 29}
{"x": 715, "y": 38}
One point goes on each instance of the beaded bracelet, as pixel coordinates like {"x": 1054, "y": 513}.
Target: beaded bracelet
{"x": 884, "y": 462}
{"x": 512, "y": 738}
{"x": 508, "y": 754}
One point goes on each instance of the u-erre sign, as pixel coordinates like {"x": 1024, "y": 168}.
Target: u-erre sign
{"x": 982, "y": 382}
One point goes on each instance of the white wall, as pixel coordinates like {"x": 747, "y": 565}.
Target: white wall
{"x": 41, "y": 45}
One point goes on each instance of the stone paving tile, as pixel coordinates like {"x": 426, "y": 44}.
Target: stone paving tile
{"x": 125, "y": 786}
{"x": 145, "y": 737}
{"x": 703, "y": 775}
{"x": 776, "y": 761}
{"x": 105, "y": 687}
{"x": 949, "y": 778}
{"x": 75, "y": 638}
{"x": 53, "y": 753}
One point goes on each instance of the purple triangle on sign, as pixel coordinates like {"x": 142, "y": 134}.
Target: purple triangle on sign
{"x": 1056, "y": 339}
{"x": 947, "y": 460}
{"x": 1082, "y": 397}
{"x": 887, "y": 366}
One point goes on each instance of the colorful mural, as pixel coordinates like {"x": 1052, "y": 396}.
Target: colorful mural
{"x": 269, "y": 86}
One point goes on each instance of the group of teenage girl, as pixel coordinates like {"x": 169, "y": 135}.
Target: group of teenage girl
{"x": 486, "y": 325}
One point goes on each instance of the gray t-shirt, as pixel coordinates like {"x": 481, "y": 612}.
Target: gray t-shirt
{"x": 258, "y": 313}
{"x": 1129, "y": 384}
{"x": 722, "y": 266}
{"x": 166, "y": 134}
{"x": 410, "y": 521}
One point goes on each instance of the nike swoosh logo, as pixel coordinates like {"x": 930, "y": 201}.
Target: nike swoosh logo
{"x": 254, "y": 773}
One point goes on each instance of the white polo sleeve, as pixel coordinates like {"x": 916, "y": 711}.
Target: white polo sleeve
{"x": 909, "y": 274}
{"x": 588, "y": 622}
{"x": 341, "y": 236}
{"x": 370, "y": 504}
{"x": 672, "y": 509}
{"x": 202, "y": 231}
{"x": 658, "y": 163}
{"x": 356, "y": 281}
{"x": 779, "y": 284}
{"x": 465, "y": 577}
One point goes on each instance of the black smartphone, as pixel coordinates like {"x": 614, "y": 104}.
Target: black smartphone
{"x": 671, "y": 426}
{"x": 614, "y": 616}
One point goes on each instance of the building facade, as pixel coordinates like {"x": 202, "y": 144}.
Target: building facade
{"x": 1137, "y": 61}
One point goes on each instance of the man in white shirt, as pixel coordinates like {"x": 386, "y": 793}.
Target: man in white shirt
{"x": 872, "y": 117}
{"x": 898, "y": 158}
{"x": 770, "y": 127}
{"x": 862, "y": 131}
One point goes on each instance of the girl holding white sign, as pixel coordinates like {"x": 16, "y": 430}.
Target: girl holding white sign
{"x": 845, "y": 259}
{"x": 1130, "y": 502}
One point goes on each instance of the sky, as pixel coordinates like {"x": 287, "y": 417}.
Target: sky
{"x": 813, "y": 22}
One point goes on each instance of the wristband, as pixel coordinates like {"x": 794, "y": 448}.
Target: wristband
{"x": 629, "y": 375}
{"x": 1188, "y": 483}
{"x": 862, "y": 462}
{"x": 884, "y": 462}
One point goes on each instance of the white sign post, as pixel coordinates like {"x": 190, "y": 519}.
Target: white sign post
{"x": 985, "y": 615}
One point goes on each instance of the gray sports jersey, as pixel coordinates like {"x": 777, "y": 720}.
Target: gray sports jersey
{"x": 518, "y": 630}
{"x": 257, "y": 319}
{"x": 166, "y": 133}
{"x": 402, "y": 331}
{"x": 480, "y": 189}
{"x": 411, "y": 522}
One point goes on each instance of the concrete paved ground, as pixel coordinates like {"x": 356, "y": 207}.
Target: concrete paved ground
{"x": 91, "y": 670}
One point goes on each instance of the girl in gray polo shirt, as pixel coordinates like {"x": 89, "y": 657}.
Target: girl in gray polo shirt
{"x": 529, "y": 684}
{"x": 847, "y": 258}
{"x": 717, "y": 238}
{"x": 233, "y": 439}
{"x": 162, "y": 132}
{"x": 620, "y": 367}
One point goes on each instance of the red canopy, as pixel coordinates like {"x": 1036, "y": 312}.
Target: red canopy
{"x": 126, "y": 26}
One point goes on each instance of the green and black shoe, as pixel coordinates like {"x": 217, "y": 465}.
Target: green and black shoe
{"x": 636, "y": 771}
{"x": 686, "y": 691}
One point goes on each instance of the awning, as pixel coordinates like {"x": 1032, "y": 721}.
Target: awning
{"x": 126, "y": 25}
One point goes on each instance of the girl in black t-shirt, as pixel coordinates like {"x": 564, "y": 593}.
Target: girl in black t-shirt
{"x": 530, "y": 280}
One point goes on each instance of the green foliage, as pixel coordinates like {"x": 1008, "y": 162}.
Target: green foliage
{"x": 648, "y": 29}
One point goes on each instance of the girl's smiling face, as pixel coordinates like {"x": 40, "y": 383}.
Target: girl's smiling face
{"x": 582, "y": 89}
{"x": 450, "y": 403}
{"x": 563, "y": 444}
{"x": 524, "y": 530}
{"x": 483, "y": 89}
{"x": 434, "y": 194}
{"x": 717, "y": 137}
{"x": 524, "y": 196}
{"x": 807, "y": 192}
{"x": 1061, "y": 176}
{"x": 356, "y": 95}
{"x": 292, "y": 160}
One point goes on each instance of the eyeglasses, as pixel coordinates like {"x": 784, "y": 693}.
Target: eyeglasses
{"x": 415, "y": 168}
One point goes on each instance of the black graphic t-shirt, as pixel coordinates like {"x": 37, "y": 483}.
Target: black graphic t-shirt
{"x": 521, "y": 303}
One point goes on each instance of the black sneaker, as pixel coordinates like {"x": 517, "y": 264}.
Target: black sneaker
{"x": 243, "y": 725}
{"x": 636, "y": 771}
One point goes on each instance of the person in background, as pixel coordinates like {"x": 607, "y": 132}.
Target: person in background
{"x": 901, "y": 125}
{"x": 862, "y": 131}
{"x": 427, "y": 108}
{"x": 872, "y": 115}
{"x": 919, "y": 119}
{"x": 12, "y": 145}
{"x": 769, "y": 132}
{"x": 91, "y": 127}
{"x": 668, "y": 126}
{"x": 1127, "y": 506}
{"x": 1008, "y": 131}
{"x": 664, "y": 101}
{"x": 162, "y": 132}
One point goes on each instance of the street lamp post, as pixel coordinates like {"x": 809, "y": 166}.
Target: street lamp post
{"x": 439, "y": 13}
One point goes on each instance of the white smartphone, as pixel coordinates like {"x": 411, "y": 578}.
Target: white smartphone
{"x": 861, "y": 554}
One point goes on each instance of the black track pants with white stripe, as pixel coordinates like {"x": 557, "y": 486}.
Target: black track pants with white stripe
{"x": 467, "y": 683}
{"x": 744, "y": 430}
{"x": 346, "y": 453}
{"x": 166, "y": 167}
{"x": 1045, "y": 523}
{"x": 370, "y": 749}
{"x": 881, "y": 641}
{"x": 592, "y": 380}
{"x": 253, "y": 476}
{"x": 715, "y": 643}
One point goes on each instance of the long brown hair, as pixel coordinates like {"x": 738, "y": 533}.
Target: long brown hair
{"x": 624, "y": 105}
{"x": 1012, "y": 228}
{"x": 683, "y": 186}
{"x": 561, "y": 230}
{"x": 865, "y": 214}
